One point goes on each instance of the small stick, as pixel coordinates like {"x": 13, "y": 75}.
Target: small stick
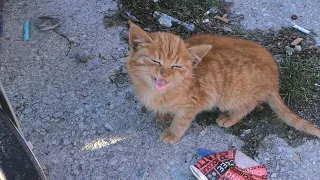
{"x": 296, "y": 41}
{"x": 64, "y": 36}
{"x": 222, "y": 19}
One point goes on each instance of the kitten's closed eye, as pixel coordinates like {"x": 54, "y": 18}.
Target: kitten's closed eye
{"x": 157, "y": 62}
{"x": 176, "y": 66}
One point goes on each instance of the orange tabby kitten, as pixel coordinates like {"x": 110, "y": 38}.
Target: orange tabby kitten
{"x": 173, "y": 77}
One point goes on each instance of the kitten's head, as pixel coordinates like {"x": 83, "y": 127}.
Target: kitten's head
{"x": 161, "y": 60}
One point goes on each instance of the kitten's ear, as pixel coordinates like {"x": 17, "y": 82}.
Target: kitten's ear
{"x": 138, "y": 37}
{"x": 198, "y": 52}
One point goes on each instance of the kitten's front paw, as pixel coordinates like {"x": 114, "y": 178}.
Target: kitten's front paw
{"x": 222, "y": 120}
{"x": 163, "y": 117}
{"x": 167, "y": 137}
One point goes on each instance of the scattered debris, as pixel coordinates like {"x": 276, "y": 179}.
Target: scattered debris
{"x": 204, "y": 152}
{"x": 301, "y": 29}
{"x": 225, "y": 15}
{"x": 297, "y": 48}
{"x": 203, "y": 132}
{"x": 296, "y": 41}
{"x": 26, "y": 30}
{"x": 127, "y": 15}
{"x": 166, "y": 20}
{"x": 108, "y": 127}
{"x": 227, "y": 29}
{"x": 231, "y": 164}
{"x": 210, "y": 11}
{"x": 289, "y": 50}
{"x": 205, "y": 21}
{"x": 226, "y": 20}
{"x": 247, "y": 131}
{"x": 294, "y": 17}
{"x": 83, "y": 56}
{"x": 317, "y": 85}
{"x": 46, "y": 23}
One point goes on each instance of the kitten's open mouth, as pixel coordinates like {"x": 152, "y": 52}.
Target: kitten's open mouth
{"x": 160, "y": 84}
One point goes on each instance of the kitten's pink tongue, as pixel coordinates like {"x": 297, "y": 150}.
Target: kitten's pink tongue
{"x": 160, "y": 84}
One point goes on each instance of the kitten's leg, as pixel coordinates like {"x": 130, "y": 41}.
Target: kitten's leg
{"x": 230, "y": 118}
{"x": 163, "y": 116}
{"x": 178, "y": 127}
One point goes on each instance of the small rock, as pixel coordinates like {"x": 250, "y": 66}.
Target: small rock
{"x": 297, "y": 48}
{"x": 93, "y": 125}
{"x": 189, "y": 157}
{"x": 100, "y": 130}
{"x": 27, "y": 111}
{"x": 108, "y": 127}
{"x": 54, "y": 141}
{"x": 227, "y": 29}
{"x": 66, "y": 141}
{"x": 83, "y": 56}
{"x": 111, "y": 106}
{"x": 205, "y": 21}
{"x": 38, "y": 58}
{"x": 81, "y": 125}
{"x": 274, "y": 175}
{"x": 267, "y": 159}
{"x": 120, "y": 148}
{"x": 278, "y": 58}
{"x": 289, "y": 50}
{"x": 203, "y": 132}
{"x": 247, "y": 131}
{"x": 78, "y": 111}
{"x": 294, "y": 17}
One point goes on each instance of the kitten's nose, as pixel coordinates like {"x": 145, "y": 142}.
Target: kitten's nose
{"x": 165, "y": 73}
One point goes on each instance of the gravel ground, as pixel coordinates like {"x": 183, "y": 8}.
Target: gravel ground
{"x": 83, "y": 119}
{"x": 275, "y": 14}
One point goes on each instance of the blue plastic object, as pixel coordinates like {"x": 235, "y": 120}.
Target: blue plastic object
{"x": 204, "y": 152}
{"x": 26, "y": 29}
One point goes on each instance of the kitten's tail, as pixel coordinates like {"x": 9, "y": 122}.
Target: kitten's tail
{"x": 284, "y": 113}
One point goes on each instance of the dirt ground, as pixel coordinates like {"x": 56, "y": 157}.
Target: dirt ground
{"x": 84, "y": 121}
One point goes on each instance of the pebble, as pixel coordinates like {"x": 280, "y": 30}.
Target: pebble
{"x": 274, "y": 175}
{"x": 289, "y": 50}
{"x": 66, "y": 141}
{"x": 247, "y": 131}
{"x": 111, "y": 106}
{"x": 100, "y": 130}
{"x": 78, "y": 111}
{"x": 278, "y": 58}
{"x": 227, "y": 29}
{"x": 297, "y": 48}
{"x": 53, "y": 142}
{"x": 108, "y": 127}
{"x": 189, "y": 157}
{"x": 27, "y": 111}
{"x": 83, "y": 56}
{"x": 81, "y": 125}
{"x": 203, "y": 132}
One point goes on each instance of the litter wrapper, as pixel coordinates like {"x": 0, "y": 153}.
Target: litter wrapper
{"x": 227, "y": 165}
